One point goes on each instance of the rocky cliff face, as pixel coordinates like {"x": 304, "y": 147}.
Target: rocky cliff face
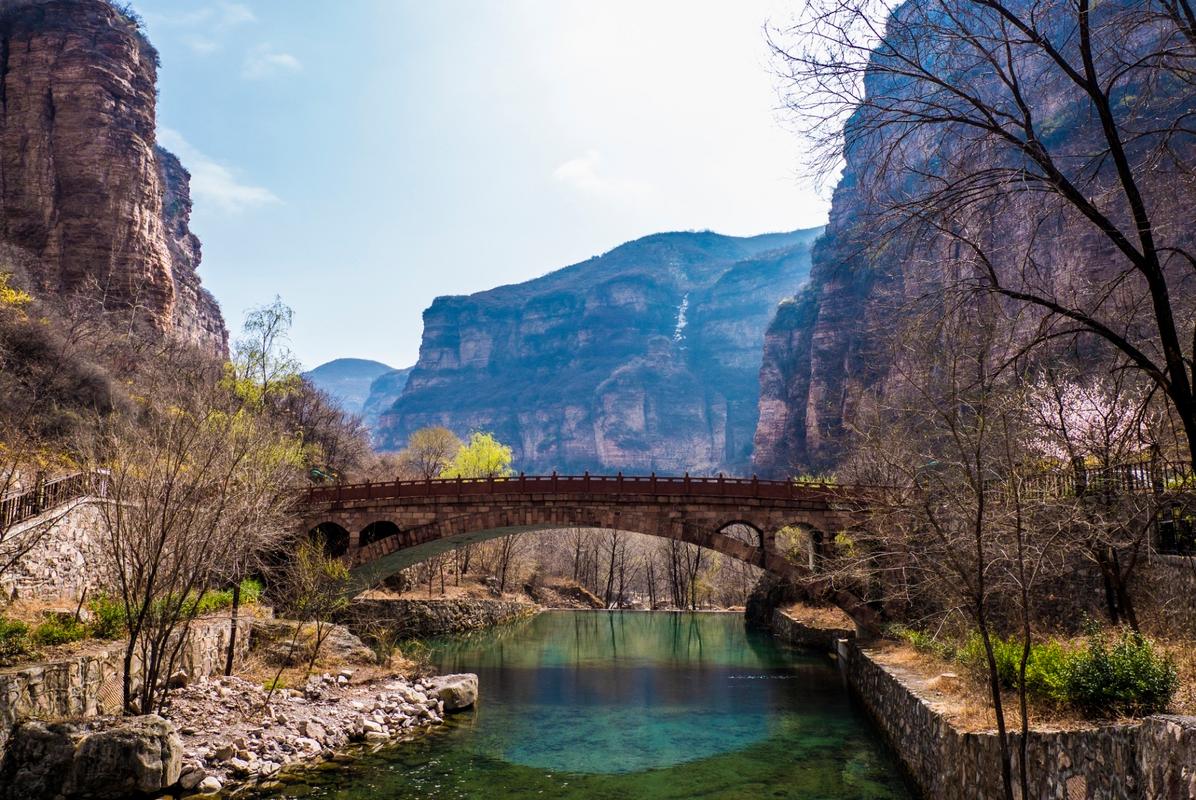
{"x": 820, "y": 350}
{"x": 88, "y": 204}
{"x": 830, "y": 348}
{"x": 645, "y": 358}
{"x": 384, "y": 391}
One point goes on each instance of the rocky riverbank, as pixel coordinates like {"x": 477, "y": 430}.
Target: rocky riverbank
{"x": 236, "y": 732}
{"x": 224, "y": 733}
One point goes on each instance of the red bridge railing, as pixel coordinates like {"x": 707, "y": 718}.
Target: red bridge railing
{"x": 573, "y": 484}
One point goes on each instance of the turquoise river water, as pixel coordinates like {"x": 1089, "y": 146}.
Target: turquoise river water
{"x": 626, "y": 705}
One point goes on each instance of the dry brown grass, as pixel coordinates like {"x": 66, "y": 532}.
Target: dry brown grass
{"x": 33, "y": 611}
{"x": 819, "y": 616}
{"x": 1183, "y": 651}
{"x": 963, "y": 696}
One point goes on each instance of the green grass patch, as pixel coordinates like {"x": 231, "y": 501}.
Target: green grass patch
{"x": 108, "y": 614}
{"x": 15, "y": 643}
{"x": 924, "y": 642}
{"x": 59, "y": 629}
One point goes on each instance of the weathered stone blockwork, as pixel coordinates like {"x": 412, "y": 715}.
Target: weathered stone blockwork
{"x": 1154, "y": 759}
{"x": 67, "y": 555}
{"x": 417, "y": 619}
{"x": 88, "y": 684}
{"x": 788, "y": 629}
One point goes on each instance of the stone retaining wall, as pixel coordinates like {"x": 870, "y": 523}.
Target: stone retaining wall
{"x": 89, "y": 684}
{"x": 1167, "y": 585}
{"x": 1154, "y": 759}
{"x": 418, "y": 619}
{"x": 66, "y": 556}
{"x": 787, "y": 629}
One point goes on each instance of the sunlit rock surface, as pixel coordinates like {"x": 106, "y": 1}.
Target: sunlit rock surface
{"x": 645, "y": 358}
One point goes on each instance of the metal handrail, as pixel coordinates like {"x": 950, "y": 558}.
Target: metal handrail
{"x": 47, "y": 495}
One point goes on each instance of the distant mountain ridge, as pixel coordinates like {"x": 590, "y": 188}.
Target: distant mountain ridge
{"x": 646, "y": 357}
{"x": 347, "y": 380}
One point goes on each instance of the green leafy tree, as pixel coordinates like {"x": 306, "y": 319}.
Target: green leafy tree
{"x": 482, "y": 457}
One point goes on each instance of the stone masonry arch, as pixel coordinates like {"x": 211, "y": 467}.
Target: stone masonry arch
{"x": 423, "y": 518}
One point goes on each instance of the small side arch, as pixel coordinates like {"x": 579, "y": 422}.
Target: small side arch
{"x": 379, "y": 529}
{"x": 743, "y": 531}
{"x": 802, "y": 544}
{"x": 335, "y": 538}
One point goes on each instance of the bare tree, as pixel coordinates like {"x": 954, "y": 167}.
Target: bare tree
{"x": 1047, "y": 143}
{"x": 311, "y": 586}
{"x": 509, "y": 549}
{"x": 958, "y": 534}
{"x": 197, "y": 483}
{"x": 1106, "y": 430}
{"x": 429, "y": 452}
{"x": 49, "y": 388}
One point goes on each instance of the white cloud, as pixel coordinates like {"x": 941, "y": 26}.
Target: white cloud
{"x": 584, "y": 173}
{"x": 231, "y": 14}
{"x": 206, "y": 24}
{"x": 212, "y": 183}
{"x": 201, "y": 45}
{"x": 219, "y": 16}
{"x": 264, "y": 61}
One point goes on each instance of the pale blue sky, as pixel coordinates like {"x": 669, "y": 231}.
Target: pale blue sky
{"x": 361, "y": 157}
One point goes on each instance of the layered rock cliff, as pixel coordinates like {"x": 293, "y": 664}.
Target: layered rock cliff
{"x": 383, "y": 392}
{"x": 645, "y": 358}
{"x": 88, "y": 204}
{"x": 895, "y": 239}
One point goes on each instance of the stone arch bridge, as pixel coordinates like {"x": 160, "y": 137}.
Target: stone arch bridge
{"x": 386, "y": 526}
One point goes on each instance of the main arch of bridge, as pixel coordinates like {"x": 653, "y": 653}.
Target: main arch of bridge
{"x": 395, "y": 524}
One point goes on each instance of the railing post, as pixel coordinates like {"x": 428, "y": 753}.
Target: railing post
{"x": 554, "y": 481}
{"x": 653, "y": 481}
{"x": 39, "y": 491}
{"x": 755, "y": 486}
{"x": 688, "y": 489}
{"x": 586, "y": 481}
{"x": 522, "y": 482}
{"x": 1081, "y": 476}
{"x": 620, "y": 481}
{"x": 1157, "y": 483}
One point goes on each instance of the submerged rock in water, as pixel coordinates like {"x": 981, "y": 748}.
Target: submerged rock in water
{"x": 457, "y": 692}
{"x": 101, "y": 760}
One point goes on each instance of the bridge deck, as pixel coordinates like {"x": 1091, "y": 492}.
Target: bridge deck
{"x": 746, "y": 488}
